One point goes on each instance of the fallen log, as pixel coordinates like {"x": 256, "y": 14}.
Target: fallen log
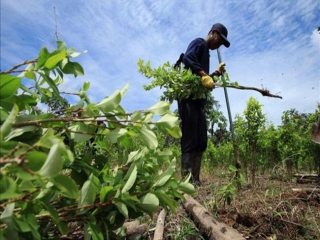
{"x": 158, "y": 234}
{"x": 306, "y": 178}
{"x": 306, "y": 190}
{"x": 208, "y": 225}
{"x": 301, "y": 175}
{"x": 135, "y": 229}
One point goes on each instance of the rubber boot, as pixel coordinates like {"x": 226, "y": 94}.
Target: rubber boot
{"x": 186, "y": 164}
{"x": 196, "y": 166}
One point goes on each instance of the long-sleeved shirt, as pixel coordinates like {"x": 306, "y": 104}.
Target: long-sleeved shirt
{"x": 197, "y": 56}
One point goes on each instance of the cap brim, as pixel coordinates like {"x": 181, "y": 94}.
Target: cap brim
{"x": 226, "y": 42}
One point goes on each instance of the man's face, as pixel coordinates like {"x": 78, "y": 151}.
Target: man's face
{"x": 215, "y": 40}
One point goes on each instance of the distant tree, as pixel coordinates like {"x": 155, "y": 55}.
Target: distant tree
{"x": 249, "y": 131}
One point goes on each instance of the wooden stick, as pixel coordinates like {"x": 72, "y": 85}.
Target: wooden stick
{"x": 158, "y": 234}
{"x": 264, "y": 92}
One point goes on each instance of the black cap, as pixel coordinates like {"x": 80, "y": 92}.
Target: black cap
{"x": 220, "y": 28}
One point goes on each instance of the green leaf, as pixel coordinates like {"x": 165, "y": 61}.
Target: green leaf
{"x": 122, "y": 209}
{"x": 53, "y": 164}
{"x": 187, "y": 188}
{"x": 7, "y": 218}
{"x": 33, "y": 223}
{"x": 175, "y": 131}
{"x": 160, "y": 108}
{"x": 86, "y": 86}
{"x": 149, "y": 138}
{"x": 166, "y": 201}
{"x": 110, "y": 103}
{"x": 31, "y": 75}
{"x": 43, "y": 56}
{"x": 167, "y": 121}
{"x": 7, "y": 125}
{"x": 21, "y": 224}
{"x": 164, "y": 177}
{"x": 124, "y": 89}
{"x": 21, "y": 130}
{"x": 104, "y": 192}
{"x": 73, "y": 68}
{"x": 113, "y": 135}
{"x": 51, "y": 83}
{"x": 95, "y": 232}
{"x": 35, "y": 160}
{"x": 8, "y": 211}
{"x": 48, "y": 139}
{"x": 233, "y": 168}
{"x": 131, "y": 176}
{"x": 8, "y": 85}
{"x": 8, "y": 188}
{"x": 82, "y": 132}
{"x": 88, "y": 193}
{"x": 149, "y": 203}
{"x": 66, "y": 185}
{"x": 53, "y": 60}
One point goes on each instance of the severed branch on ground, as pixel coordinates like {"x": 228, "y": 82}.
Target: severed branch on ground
{"x": 264, "y": 92}
{"x": 306, "y": 190}
{"x": 158, "y": 234}
{"x": 208, "y": 225}
{"x": 135, "y": 229}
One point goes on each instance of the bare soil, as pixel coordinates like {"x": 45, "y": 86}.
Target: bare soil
{"x": 270, "y": 211}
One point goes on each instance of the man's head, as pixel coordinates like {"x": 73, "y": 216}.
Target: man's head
{"x": 218, "y": 36}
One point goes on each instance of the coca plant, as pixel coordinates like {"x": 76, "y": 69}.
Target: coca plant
{"x": 89, "y": 164}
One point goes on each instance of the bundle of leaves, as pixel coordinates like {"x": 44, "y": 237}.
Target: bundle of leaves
{"x": 178, "y": 84}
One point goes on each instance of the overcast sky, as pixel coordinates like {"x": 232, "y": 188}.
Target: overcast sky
{"x": 274, "y": 45}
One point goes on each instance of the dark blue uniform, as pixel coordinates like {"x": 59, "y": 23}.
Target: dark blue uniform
{"x": 191, "y": 111}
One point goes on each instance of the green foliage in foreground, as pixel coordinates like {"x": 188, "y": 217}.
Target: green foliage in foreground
{"x": 48, "y": 178}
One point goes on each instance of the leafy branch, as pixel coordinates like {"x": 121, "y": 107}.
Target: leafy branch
{"x": 180, "y": 83}
{"x": 49, "y": 174}
{"x": 11, "y": 70}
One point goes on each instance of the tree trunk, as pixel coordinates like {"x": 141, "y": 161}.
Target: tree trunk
{"x": 207, "y": 224}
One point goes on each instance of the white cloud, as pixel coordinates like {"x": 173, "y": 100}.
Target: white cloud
{"x": 273, "y": 43}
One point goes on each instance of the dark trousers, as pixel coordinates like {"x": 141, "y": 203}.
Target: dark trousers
{"x": 193, "y": 126}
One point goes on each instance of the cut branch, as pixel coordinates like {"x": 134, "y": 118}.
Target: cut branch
{"x": 19, "y": 65}
{"x": 214, "y": 229}
{"x": 158, "y": 234}
{"x": 306, "y": 190}
{"x": 264, "y": 92}
{"x": 135, "y": 229}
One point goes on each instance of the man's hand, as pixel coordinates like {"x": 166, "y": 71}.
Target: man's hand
{"x": 207, "y": 82}
{"x": 221, "y": 68}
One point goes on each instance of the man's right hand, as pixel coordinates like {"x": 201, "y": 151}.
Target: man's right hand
{"x": 207, "y": 82}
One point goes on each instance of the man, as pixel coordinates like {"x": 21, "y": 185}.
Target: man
{"x": 193, "y": 118}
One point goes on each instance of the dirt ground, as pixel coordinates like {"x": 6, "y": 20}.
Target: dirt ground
{"x": 272, "y": 211}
